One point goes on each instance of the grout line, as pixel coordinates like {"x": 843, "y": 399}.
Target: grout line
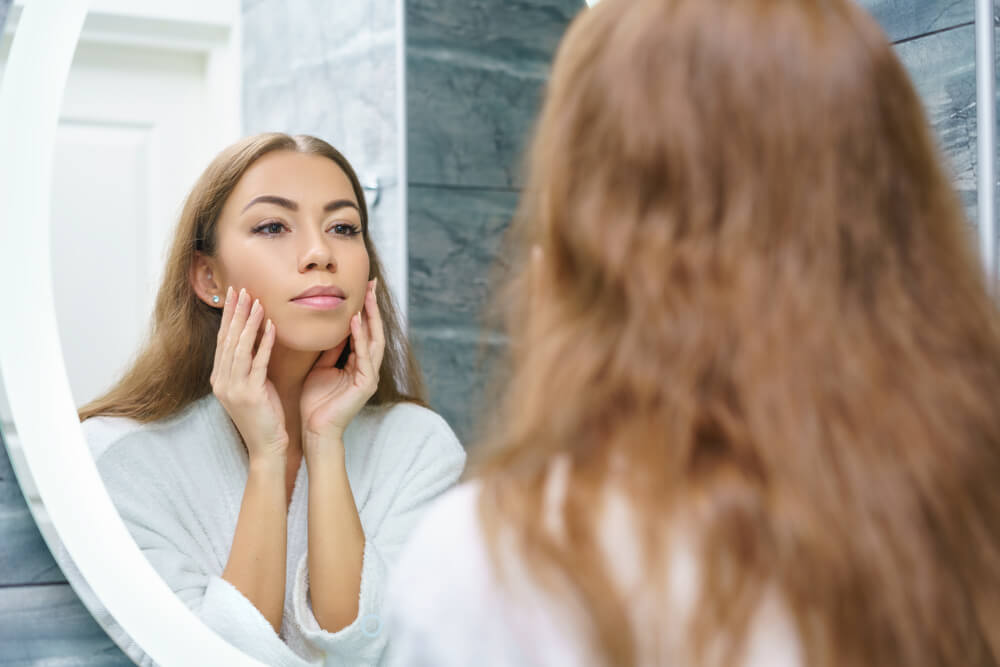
{"x": 33, "y": 584}
{"x": 451, "y": 186}
{"x": 935, "y": 32}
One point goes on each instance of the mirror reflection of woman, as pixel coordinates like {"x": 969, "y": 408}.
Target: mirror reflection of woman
{"x": 752, "y": 410}
{"x": 269, "y": 448}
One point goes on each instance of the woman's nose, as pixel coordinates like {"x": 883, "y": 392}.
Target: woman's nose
{"x": 317, "y": 254}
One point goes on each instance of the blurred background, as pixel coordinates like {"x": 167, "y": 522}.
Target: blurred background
{"x": 431, "y": 100}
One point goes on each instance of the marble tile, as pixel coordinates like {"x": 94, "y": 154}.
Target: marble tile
{"x": 283, "y": 35}
{"x": 511, "y": 32}
{"x": 454, "y": 236}
{"x": 24, "y": 557}
{"x": 905, "y": 19}
{"x": 4, "y": 8}
{"x": 456, "y": 365}
{"x": 390, "y": 240}
{"x": 475, "y": 74}
{"x": 943, "y": 69}
{"x": 328, "y": 69}
{"x": 350, "y": 102}
{"x": 48, "y": 625}
{"x": 469, "y": 126}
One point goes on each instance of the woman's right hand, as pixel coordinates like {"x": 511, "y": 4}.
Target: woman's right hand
{"x": 239, "y": 377}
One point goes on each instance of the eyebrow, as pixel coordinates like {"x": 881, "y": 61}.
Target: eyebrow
{"x": 329, "y": 207}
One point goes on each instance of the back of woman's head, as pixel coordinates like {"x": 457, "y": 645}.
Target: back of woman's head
{"x": 175, "y": 364}
{"x": 753, "y": 293}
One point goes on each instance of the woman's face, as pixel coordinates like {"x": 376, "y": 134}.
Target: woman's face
{"x": 290, "y": 225}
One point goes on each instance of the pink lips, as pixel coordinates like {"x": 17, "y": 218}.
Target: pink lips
{"x": 321, "y": 297}
{"x": 321, "y": 302}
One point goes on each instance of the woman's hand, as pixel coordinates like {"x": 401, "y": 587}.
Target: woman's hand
{"x": 332, "y": 396}
{"x": 239, "y": 377}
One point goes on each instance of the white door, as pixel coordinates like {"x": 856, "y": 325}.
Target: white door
{"x": 140, "y": 120}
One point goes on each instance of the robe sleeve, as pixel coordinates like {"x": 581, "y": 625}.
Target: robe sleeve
{"x": 423, "y": 463}
{"x": 180, "y": 556}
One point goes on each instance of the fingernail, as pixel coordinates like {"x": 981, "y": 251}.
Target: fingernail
{"x": 229, "y": 294}
{"x": 256, "y": 306}
{"x": 267, "y": 327}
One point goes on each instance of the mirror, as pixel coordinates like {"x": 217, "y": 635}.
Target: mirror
{"x": 155, "y": 92}
{"x": 151, "y": 94}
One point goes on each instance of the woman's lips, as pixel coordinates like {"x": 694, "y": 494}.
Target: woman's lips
{"x": 325, "y": 302}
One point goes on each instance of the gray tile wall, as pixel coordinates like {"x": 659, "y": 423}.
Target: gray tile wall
{"x": 475, "y": 73}
{"x": 475, "y": 70}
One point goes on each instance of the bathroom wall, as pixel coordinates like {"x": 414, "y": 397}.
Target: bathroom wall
{"x": 475, "y": 71}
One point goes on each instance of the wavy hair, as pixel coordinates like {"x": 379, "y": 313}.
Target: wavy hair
{"x": 174, "y": 366}
{"x": 756, "y": 294}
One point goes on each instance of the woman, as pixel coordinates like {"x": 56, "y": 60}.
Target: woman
{"x": 775, "y": 439}
{"x": 269, "y": 449}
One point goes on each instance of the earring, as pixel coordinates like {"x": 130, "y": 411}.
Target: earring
{"x": 215, "y": 299}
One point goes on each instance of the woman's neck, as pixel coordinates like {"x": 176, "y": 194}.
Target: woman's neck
{"x": 287, "y": 370}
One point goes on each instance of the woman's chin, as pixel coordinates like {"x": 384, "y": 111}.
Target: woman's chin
{"x": 311, "y": 343}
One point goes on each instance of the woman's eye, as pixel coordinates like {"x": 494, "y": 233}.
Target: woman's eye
{"x": 344, "y": 229}
{"x": 269, "y": 228}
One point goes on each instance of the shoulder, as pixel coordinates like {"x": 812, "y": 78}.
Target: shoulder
{"x": 116, "y": 438}
{"x": 452, "y": 516}
{"x": 445, "y": 598}
{"x": 447, "y": 541}
{"x": 412, "y": 418}
{"x": 408, "y": 429}
{"x": 445, "y": 558}
{"x": 103, "y": 432}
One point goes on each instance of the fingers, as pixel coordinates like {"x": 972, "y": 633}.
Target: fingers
{"x": 360, "y": 349}
{"x": 258, "y": 370}
{"x": 240, "y": 311}
{"x": 227, "y": 317}
{"x": 236, "y": 364}
{"x": 243, "y": 355}
{"x": 375, "y": 329}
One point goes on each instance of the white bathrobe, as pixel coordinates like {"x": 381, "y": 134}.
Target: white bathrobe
{"x": 178, "y": 484}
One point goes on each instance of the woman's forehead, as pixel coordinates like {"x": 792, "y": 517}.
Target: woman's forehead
{"x": 304, "y": 178}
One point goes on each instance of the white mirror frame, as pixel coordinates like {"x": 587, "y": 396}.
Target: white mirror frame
{"x": 32, "y": 366}
{"x": 986, "y": 145}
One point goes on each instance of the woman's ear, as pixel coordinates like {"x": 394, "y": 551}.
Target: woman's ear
{"x": 205, "y": 282}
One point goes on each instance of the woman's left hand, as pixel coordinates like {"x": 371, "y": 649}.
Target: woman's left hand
{"x": 332, "y": 396}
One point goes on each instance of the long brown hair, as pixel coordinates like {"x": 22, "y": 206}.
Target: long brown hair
{"x": 756, "y": 314}
{"x": 174, "y": 366}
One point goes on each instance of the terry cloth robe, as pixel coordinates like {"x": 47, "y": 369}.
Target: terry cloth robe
{"x": 446, "y": 607}
{"x": 178, "y": 484}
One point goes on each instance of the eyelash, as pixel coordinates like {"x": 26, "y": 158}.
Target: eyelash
{"x": 350, "y": 230}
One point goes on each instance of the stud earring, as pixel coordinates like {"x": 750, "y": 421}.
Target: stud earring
{"x": 215, "y": 299}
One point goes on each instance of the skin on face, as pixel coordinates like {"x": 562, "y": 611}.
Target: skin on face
{"x": 292, "y": 223}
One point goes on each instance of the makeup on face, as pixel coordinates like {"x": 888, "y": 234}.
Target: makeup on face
{"x": 290, "y": 233}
